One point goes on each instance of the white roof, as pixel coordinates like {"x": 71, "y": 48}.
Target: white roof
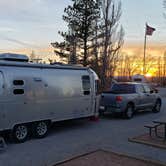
{"x": 14, "y": 57}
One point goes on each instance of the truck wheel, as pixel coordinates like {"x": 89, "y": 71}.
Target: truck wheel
{"x": 20, "y": 133}
{"x": 129, "y": 111}
{"x": 157, "y": 107}
{"x": 40, "y": 129}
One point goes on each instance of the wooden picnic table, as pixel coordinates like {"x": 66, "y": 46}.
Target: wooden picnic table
{"x": 162, "y": 121}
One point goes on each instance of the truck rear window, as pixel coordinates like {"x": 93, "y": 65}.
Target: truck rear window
{"x": 123, "y": 88}
{"x": 137, "y": 79}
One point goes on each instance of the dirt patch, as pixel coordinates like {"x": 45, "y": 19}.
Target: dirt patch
{"x": 151, "y": 141}
{"x": 105, "y": 158}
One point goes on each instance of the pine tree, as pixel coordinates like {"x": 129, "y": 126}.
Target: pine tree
{"x": 81, "y": 19}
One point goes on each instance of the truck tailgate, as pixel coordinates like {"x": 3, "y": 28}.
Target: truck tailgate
{"x": 108, "y": 99}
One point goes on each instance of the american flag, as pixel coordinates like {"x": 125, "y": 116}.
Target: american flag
{"x": 149, "y": 30}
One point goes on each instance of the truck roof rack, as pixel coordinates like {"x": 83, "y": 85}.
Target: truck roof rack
{"x": 14, "y": 57}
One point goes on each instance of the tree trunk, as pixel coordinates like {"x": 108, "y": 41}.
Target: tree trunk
{"x": 95, "y": 48}
{"x": 85, "y": 52}
{"x": 106, "y": 38}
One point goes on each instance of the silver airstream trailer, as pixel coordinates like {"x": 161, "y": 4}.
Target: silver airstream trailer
{"x": 32, "y": 96}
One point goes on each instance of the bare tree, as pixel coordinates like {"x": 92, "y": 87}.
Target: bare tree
{"x": 164, "y": 5}
{"x": 32, "y": 56}
{"x": 35, "y": 58}
{"x": 164, "y": 69}
{"x": 132, "y": 65}
{"x": 150, "y": 62}
{"x": 111, "y": 37}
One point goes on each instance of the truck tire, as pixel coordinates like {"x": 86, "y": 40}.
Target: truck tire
{"x": 129, "y": 111}
{"x": 20, "y": 133}
{"x": 157, "y": 106}
{"x": 40, "y": 129}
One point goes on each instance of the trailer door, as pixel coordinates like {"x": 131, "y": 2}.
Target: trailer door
{"x": 1, "y": 85}
{"x": 87, "y": 93}
{"x": 2, "y": 115}
{"x": 1, "y": 89}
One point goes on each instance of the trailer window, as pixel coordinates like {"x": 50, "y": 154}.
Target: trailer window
{"x": 18, "y": 91}
{"x": 86, "y": 85}
{"x": 18, "y": 82}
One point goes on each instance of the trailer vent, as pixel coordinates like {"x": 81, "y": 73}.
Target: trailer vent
{"x": 14, "y": 57}
{"x": 18, "y": 82}
{"x": 18, "y": 91}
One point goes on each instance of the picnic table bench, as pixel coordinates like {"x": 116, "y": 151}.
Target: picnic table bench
{"x": 2, "y": 143}
{"x": 152, "y": 127}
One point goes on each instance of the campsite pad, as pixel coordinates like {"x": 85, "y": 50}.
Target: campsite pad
{"x": 105, "y": 158}
{"x": 151, "y": 140}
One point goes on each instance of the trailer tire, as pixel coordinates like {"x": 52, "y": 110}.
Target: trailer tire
{"x": 40, "y": 129}
{"x": 20, "y": 133}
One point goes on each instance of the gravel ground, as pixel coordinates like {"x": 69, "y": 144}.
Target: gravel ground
{"x": 72, "y": 138}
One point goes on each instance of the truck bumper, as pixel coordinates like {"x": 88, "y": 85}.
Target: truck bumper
{"x": 110, "y": 109}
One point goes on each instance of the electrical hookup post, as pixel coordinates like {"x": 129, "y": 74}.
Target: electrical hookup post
{"x": 148, "y": 32}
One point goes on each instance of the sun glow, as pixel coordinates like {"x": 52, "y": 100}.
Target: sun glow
{"x": 149, "y": 75}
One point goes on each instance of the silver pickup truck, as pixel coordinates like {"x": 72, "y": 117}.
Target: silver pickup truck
{"x": 127, "y": 98}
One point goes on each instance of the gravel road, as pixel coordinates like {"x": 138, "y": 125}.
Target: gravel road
{"x": 77, "y": 137}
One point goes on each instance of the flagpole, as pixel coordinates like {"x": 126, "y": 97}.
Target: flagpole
{"x": 144, "y": 59}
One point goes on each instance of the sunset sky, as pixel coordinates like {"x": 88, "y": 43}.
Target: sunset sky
{"x": 27, "y": 25}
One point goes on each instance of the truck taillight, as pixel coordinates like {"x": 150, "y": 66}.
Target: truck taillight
{"x": 118, "y": 98}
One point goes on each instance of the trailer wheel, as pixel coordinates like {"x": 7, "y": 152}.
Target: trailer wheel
{"x": 40, "y": 129}
{"x": 20, "y": 133}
